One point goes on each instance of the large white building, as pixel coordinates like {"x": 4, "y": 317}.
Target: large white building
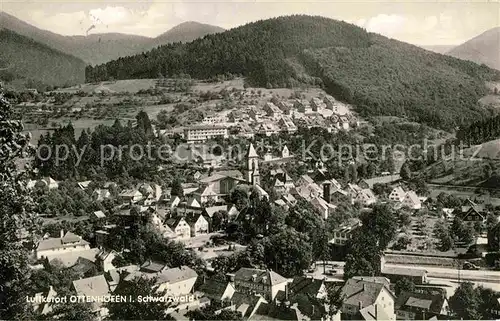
{"x": 66, "y": 243}
{"x": 201, "y": 133}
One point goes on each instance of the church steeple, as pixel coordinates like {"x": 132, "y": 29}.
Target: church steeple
{"x": 252, "y": 166}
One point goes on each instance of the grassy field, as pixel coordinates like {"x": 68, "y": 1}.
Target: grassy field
{"x": 130, "y": 85}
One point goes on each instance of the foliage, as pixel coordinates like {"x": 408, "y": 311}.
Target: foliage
{"x": 379, "y": 75}
{"x": 16, "y": 214}
{"x": 465, "y": 302}
{"x": 480, "y": 131}
{"x": 135, "y": 310}
{"x": 404, "y": 284}
{"x": 288, "y": 253}
{"x": 176, "y": 189}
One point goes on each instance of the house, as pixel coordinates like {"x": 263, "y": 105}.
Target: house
{"x": 43, "y": 301}
{"x": 99, "y": 215}
{"x": 100, "y": 195}
{"x": 412, "y": 201}
{"x": 105, "y": 259}
{"x": 272, "y": 110}
{"x": 180, "y": 227}
{"x": 323, "y": 207}
{"x": 177, "y": 281}
{"x": 421, "y": 306}
{"x": 285, "y": 106}
{"x": 268, "y": 129}
{"x": 345, "y": 232}
{"x": 289, "y": 199}
{"x": 418, "y": 276}
{"x": 286, "y": 125}
{"x": 264, "y": 282}
{"x": 47, "y": 182}
{"x": 171, "y": 282}
{"x": 70, "y": 259}
{"x": 397, "y": 194}
{"x": 247, "y": 303}
{"x": 365, "y": 300}
{"x": 279, "y": 186}
{"x": 96, "y": 287}
{"x": 302, "y": 106}
{"x": 317, "y": 104}
{"x": 471, "y": 212}
{"x": 365, "y": 197}
{"x": 271, "y": 312}
{"x": 198, "y": 223}
{"x": 302, "y": 285}
{"x": 130, "y": 196}
{"x": 231, "y": 210}
{"x": 66, "y": 243}
{"x": 217, "y": 290}
{"x": 201, "y": 133}
{"x": 83, "y": 185}
{"x": 153, "y": 267}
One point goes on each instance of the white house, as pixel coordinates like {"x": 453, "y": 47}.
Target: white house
{"x": 397, "y": 194}
{"x": 199, "y": 225}
{"x": 66, "y": 243}
{"x": 180, "y": 227}
{"x": 367, "y": 300}
{"x": 412, "y": 201}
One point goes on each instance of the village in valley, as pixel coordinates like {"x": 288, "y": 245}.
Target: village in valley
{"x": 268, "y": 234}
{"x": 322, "y": 166}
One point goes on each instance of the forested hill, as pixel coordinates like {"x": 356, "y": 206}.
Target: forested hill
{"x": 378, "y": 75}
{"x": 25, "y": 60}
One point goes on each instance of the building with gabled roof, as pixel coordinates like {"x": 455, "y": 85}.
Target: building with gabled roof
{"x": 66, "y": 243}
{"x": 397, "y": 194}
{"x": 412, "y": 201}
{"x": 180, "y": 227}
{"x": 130, "y": 196}
{"x": 198, "y": 223}
{"x": 95, "y": 286}
{"x": 217, "y": 290}
{"x": 364, "y": 300}
{"x": 265, "y": 282}
{"x": 48, "y": 295}
{"x": 421, "y": 306}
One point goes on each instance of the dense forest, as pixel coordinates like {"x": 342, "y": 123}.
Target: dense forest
{"x": 378, "y": 75}
{"x": 480, "y": 131}
{"x": 257, "y": 50}
{"x": 398, "y": 79}
{"x": 27, "y": 60}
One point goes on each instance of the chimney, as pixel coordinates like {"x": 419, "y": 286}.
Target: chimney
{"x": 360, "y": 305}
{"x": 364, "y": 287}
{"x": 376, "y": 311}
{"x": 62, "y": 233}
{"x": 326, "y": 192}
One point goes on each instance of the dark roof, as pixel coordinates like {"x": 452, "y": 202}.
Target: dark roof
{"x": 152, "y": 267}
{"x": 301, "y": 285}
{"x": 239, "y": 298}
{"x": 267, "y": 311}
{"x": 361, "y": 292}
{"x": 429, "y": 302}
{"x": 259, "y": 276}
{"x": 214, "y": 289}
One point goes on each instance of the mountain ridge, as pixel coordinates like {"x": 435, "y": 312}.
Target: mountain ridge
{"x": 482, "y": 49}
{"x": 26, "y": 60}
{"x": 102, "y": 47}
{"x": 393, "y": 78}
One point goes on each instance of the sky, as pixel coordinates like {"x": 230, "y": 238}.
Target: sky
{"x": 431, "y": 22}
